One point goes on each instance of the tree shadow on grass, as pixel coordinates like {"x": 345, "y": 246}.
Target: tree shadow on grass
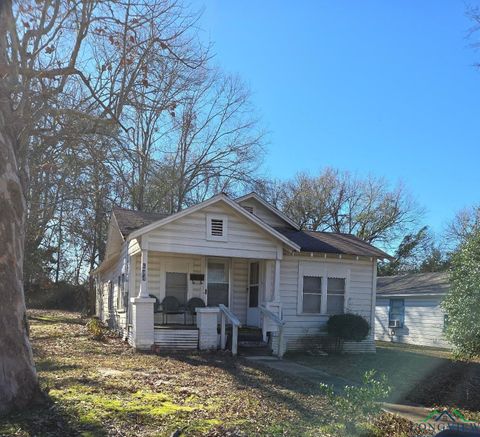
{"x": 46, "y": 418}
{"x": 277, "y": 386}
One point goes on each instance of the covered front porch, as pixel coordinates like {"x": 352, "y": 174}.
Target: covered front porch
{"x": 213, "y": 297}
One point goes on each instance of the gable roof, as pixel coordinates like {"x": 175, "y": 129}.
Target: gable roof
{"x": 330, "y": 242}
{"x": 433, "y": 283}
{"x": 222, "y": 197}
{"x": 269, "y": 206}
{"x": 129, "y": 220}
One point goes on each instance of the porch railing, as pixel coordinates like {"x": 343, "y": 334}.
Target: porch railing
{"x": 277, "y": 321}
{"x": 226, "y": 313}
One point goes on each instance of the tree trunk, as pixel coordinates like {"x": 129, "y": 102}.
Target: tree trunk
{"x": 18, "y": 378}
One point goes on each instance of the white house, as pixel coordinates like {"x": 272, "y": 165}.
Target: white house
{"x": 408, "y": 309}
{"x": 248, "y": 263}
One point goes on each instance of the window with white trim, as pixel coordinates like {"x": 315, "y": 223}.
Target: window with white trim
{"x": 122, "y": 292}
{"x": 396, "y": 313}
{"x": 217, "y": 227}
{"x": 322, "y": 289}
{"x": 336, "y": 295}
{"x": 312, "y": 294}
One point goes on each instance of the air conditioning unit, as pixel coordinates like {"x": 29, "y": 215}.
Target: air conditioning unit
{"x": 394, "y": 324}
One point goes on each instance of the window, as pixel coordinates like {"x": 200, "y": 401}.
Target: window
{"x": 335, "y": 295}
{"x": 176, "y": 285}
{"x": 312, "y": 294}
{"x": 248, "y": 208}
{"x": 218, "y": 280}
{"x": 396, "y": 315}
{"x": 217, "y": 227}
{"x": 122, "y": 292}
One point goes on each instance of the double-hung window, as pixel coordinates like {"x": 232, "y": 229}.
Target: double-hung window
{"x": 396, "y": 314}
{"x": 312, "y": 294}
{"x": 335, "y": 295}
{"x": 322, "y": 289}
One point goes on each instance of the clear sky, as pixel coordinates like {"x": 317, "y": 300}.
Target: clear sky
{"x": 382, "y": 87}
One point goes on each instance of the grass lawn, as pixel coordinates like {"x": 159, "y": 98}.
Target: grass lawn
{"x": 105, "y": 388}
{"x": 419, "y": 375}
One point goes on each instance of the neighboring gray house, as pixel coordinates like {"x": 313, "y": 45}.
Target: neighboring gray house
{"x": 247, "y": 262}
{"x": 408, "y": 309}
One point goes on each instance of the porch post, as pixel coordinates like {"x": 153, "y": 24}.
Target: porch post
{"x": 276, "y": 281}
{"x": 143, "y": 274}
{"x": 142, "y": 310}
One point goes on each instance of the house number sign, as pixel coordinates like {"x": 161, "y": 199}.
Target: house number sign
{"x": 144, "y": 271}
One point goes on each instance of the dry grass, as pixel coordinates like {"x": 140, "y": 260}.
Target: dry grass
{"x": 105, "y": 388}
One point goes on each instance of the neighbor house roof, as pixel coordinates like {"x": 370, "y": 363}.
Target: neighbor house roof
{"x": 331, "y": 242}
{"x": 413, "y": 284}
{"x": 129, "y": 220}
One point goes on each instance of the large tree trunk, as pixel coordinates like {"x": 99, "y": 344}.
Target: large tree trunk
{"x": 18, "y": 378}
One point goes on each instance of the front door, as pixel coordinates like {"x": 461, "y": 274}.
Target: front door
{"x": 218, "y": 278}
{"x": 253, "y": 313}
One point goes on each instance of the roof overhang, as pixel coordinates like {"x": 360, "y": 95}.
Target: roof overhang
{"x": 106, "y": 264}
{"x": 219, "y": 198}
{"x": 411, "y": 295}
{"x": 269, "y": 207}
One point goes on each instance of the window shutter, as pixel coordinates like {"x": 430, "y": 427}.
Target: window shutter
{"x": 216, "y": 227}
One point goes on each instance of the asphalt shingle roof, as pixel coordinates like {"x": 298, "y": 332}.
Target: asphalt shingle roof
{"x": 413, "y": 283}
{"x": 309, "y": 241}
{"x": 331, "y": 242}
{"x": 129, "y": 220}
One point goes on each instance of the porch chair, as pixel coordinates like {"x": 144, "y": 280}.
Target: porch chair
{"x": 171, "y": 305}
{"x": 193, "y": 304}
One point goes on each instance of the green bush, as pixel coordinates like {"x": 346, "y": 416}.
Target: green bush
{"x": 357, "y": 404}
{"x": 96, "y": 329}
{"x": 348, "y": 327}
{"x": 462, "y": 303}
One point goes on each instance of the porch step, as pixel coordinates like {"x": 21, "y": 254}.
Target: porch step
{"x": 253, "y": 348}
{"x": 250, "y": 334}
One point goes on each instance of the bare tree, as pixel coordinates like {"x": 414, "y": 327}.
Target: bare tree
{"x": 337, "y": 201}
{"x": 49, "y": 93}
{"x": 464, "y": 224}
{"x": 218, "y": 145}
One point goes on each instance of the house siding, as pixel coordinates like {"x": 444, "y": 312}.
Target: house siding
{"x": 264, "y": 213}
{"x": 189, "y": 235}
{"x": 423, "y": 325}
{"x": 359, "y": 301}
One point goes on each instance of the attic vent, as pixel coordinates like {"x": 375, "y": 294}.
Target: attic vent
{"x": 249, "y": 209}
{"x": 216, "y": 227}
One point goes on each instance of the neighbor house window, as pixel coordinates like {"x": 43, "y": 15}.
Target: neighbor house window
{"x": 335, "y": 295}
{"x": 217, "y": 227}
{"x": 176, "y": 285}
{"x": 312, "y": 294}
{"x": 396, "y": 315}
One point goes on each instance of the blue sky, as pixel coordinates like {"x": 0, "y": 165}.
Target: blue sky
{"x": 381, "y": 87}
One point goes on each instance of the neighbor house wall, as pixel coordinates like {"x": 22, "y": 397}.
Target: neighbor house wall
{"x": 359, "y": 300}
{"x": 423, "y": 325}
